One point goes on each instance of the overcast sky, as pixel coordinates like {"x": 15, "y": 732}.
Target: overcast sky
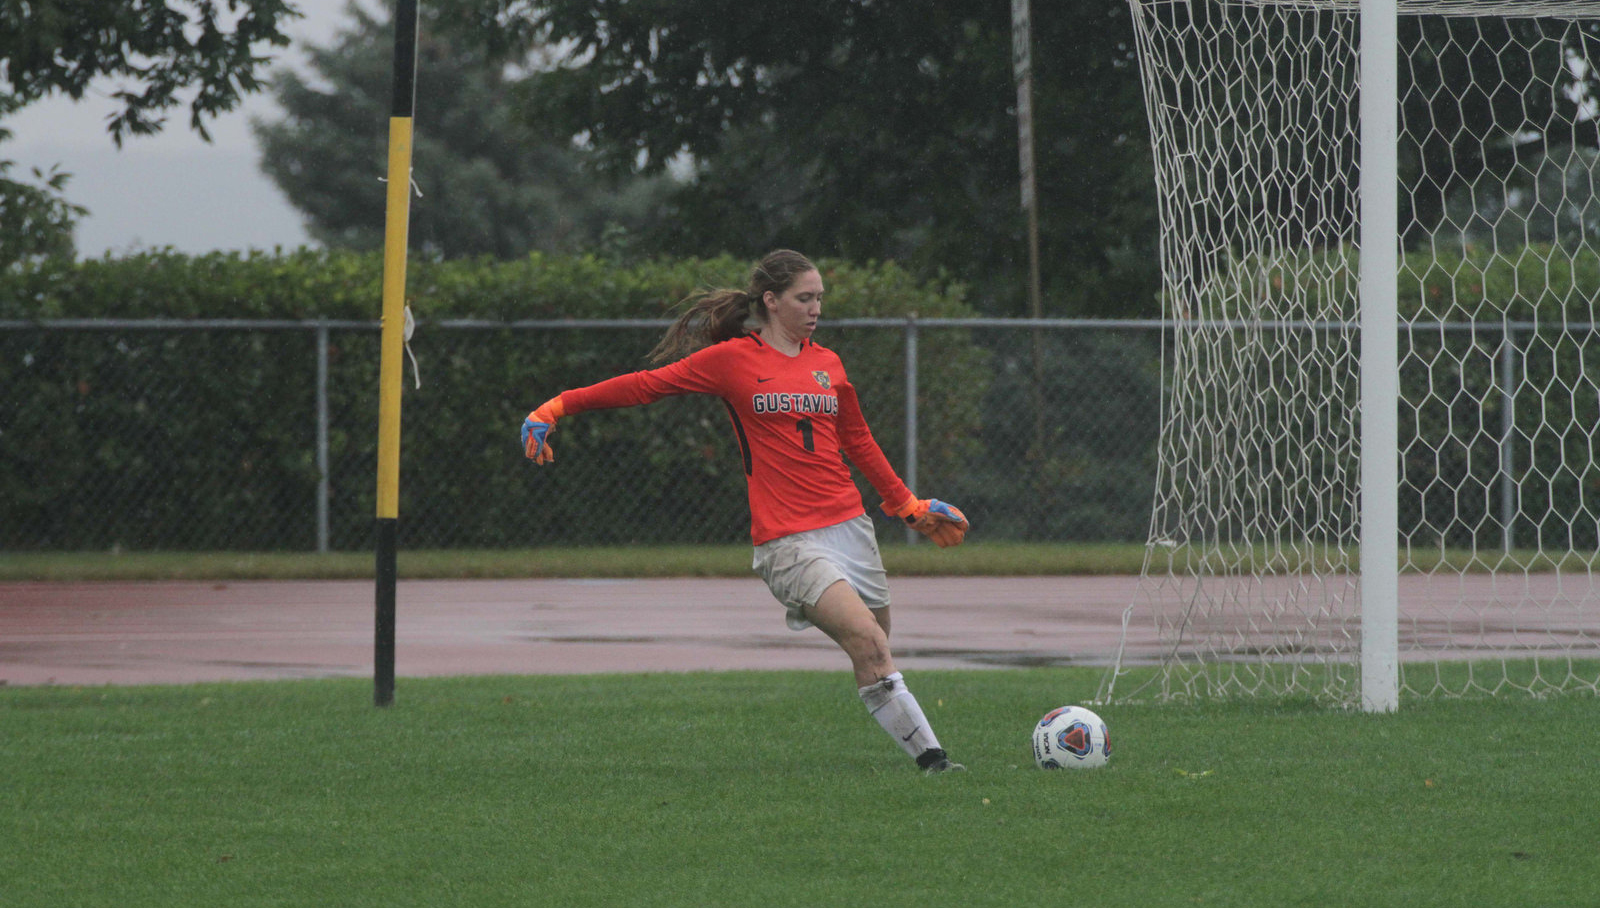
{"x": 171, "y": 189}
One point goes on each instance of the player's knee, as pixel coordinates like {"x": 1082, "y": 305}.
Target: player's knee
{"x": 868, "y": 648}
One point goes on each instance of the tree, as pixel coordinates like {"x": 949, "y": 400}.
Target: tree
{"x": 154, "y": 49}
{"x": 1492, "y": 71}
{"x": 36, "y": 220}
{"x": 490, "y": 183}
{"x": 866, "y": 130}
{"x": 161, "y": 47}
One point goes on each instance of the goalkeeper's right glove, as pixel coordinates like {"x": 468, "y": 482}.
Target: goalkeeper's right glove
{"x": 941, "y": 522}
{"x": 536, "y": 429}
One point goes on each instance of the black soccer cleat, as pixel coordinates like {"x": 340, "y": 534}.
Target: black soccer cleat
{"x": 934, "y": 761}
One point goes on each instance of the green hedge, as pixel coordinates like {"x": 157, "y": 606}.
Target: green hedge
{"x": 311, "y": 283}
{"x": 205, "y": 440}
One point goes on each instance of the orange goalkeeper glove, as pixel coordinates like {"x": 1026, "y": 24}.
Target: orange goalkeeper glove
{"x": 536, "y": 430}
{"x": 941, "y": 522}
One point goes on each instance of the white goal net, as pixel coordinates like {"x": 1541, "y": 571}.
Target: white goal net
{"x": 1252, "y": 583}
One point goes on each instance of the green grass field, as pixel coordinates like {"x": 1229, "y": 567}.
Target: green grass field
{"x": 776, "y": 789}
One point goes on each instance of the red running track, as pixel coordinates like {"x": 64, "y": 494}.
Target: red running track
{"x": 168, "y": 633}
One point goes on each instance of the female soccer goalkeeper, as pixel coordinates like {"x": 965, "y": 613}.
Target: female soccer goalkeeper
{"x": 794, "y": 411}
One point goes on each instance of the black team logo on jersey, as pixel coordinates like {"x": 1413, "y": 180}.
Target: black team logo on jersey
{"x": 822, "y": 378}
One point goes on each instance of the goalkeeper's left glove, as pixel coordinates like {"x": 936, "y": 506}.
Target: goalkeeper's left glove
{"x": 943, "y": 523}
{"x": 536, "y": 430}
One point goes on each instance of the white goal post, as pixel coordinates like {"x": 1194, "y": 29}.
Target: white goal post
{"x": 1379, "y": 466}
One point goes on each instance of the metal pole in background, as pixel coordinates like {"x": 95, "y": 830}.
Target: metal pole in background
{"x": 1508, "y": 428}
{"x": 911, "y": 412}
{"x": 1022, "y": 68}
{"x": 396, "y": 227}
{"x": 322, "y": 438}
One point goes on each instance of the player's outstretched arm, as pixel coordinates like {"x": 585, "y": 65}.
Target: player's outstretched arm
{"x": 942, "y": 522}
{"x": 630, "y": 390}
{"x": 536, "y": 430}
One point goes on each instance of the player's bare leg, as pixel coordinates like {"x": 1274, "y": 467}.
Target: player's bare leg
{"x": 842, "y": 615}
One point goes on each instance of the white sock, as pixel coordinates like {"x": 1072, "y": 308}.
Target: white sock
{"x": 899, "y": 713}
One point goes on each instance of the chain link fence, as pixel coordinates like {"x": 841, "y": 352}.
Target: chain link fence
{"x": 261, "y": 435}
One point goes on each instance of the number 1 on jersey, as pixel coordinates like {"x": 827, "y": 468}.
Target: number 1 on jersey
{"x": 804, "y": 425}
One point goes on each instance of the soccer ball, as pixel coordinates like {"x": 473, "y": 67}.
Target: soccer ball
{"x": 1071, "y": 737}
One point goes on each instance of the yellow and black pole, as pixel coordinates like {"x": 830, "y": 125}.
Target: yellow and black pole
{"x": 396, "y": 223}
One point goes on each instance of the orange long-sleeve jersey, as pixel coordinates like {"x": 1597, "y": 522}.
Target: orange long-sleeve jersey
{"x": 797, "y": 420}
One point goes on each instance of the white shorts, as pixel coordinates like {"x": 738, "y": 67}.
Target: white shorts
{"x": 800, "y": 566}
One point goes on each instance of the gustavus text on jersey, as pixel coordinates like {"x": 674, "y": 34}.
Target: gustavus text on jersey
{"x": 795, "y": 403}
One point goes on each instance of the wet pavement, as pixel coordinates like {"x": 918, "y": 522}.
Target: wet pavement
{"x": 168, "y": 633}
{"x": 160, "y": 633}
